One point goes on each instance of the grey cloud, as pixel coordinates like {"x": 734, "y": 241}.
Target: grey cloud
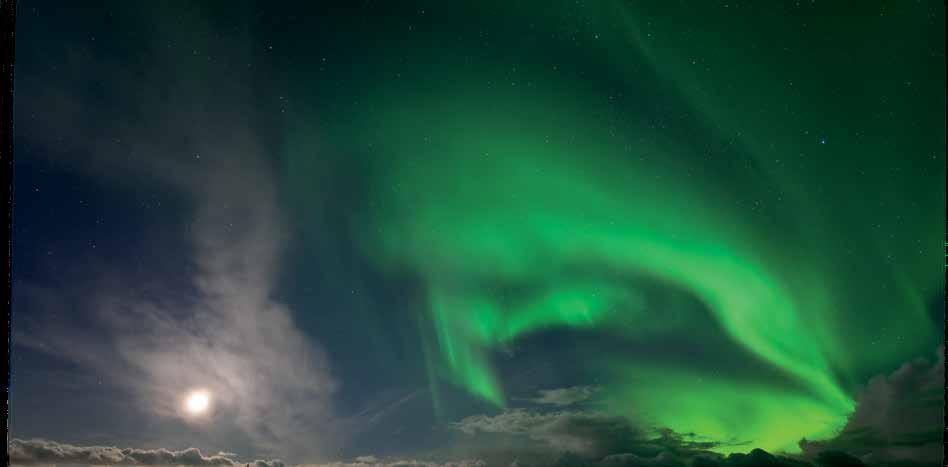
{"x": 41, "y": 451}
{"x": 592, "y": 439}
{"x": 371, "y": 461}
{"x": 590, "y": 435}
{"x": 663, "y": 459}
{"x": 565, "y": 396}
{"x": 898, "y": 418}
{"x": 552, "y": 429}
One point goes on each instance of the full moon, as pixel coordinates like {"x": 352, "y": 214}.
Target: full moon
{"x": 197, "y": 402}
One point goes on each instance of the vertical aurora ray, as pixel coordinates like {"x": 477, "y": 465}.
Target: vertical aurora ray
{"x": 552, "y": 203}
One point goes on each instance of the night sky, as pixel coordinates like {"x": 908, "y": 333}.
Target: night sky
{"x": 584, "y": 233}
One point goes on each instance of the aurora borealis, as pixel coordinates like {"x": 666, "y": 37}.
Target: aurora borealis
{"x": 719, "y": 222}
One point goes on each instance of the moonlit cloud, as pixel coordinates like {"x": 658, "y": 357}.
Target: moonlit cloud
{"x": 231, "y": 337}
{"x": 223, "y": 330}
{"x": 35, "y": 452}
{"x": 41, "y": 451}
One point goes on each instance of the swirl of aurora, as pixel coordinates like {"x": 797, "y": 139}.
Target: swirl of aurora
{"x": 543, "y": 205}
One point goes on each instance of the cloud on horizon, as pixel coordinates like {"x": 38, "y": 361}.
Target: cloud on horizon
{"x": 897, "y": 422}
{"x": 898, "y": 417}
{"x": 41, "y": 451}
{"x": 584, "y": 438}
{"x": 371, "y": 461}
{"x": 34, "y": 452}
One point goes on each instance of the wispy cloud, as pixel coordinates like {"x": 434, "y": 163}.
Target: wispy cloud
{"x": 565, "y": 396}
{"x": 216, "y": 325}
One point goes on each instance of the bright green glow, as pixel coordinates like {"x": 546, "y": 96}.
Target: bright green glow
{"x": 777, "y": 418}
{"x": 552, "y": 204}
{"x": 491, "y": 201}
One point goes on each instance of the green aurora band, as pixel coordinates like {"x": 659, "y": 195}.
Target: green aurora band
{"x": 544, "y": 200}
{"x": 535, "y": 207}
